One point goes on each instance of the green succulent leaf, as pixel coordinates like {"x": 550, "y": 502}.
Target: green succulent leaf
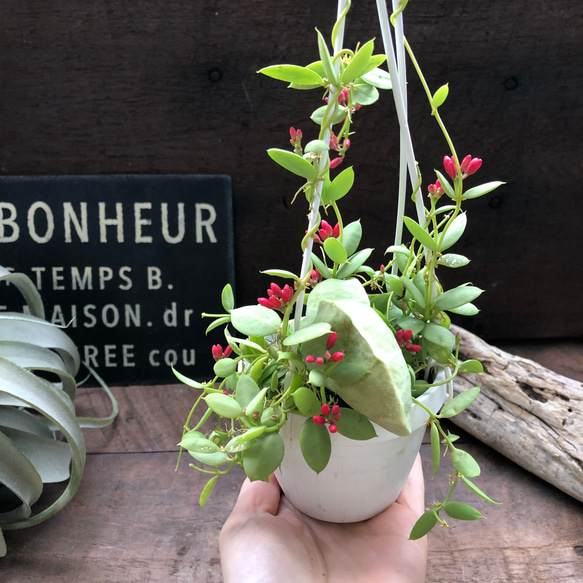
{"x": 378, "y": 78}
{"x": 454, "y": 231}
{"x": 341, "y": 185}
{"x": 321, "y": 267}
{"x": 306, "y": 402}
{"x": 414, "y": 291}
{"x": 218, "y": 322}
{"x": 359, "y": 64}
{"x": 438, "y": 335}
{"x": 354, "y": 425}
{"x": 477, "y": 491}
{"x": 461, "y": 511}
{"x": 228, "y": 298}
{"x": 207, "y": 491}
{"x": 453, "y": 260}
{"x": 281, "y": 273}
{"x": 445, "y": 184}
{"x": 460, "y": 402}
{"x": 352, "y": 235}
{"x": 225, "y": 367}
{"x": 255, "y": 320}
{"x": 464, "y": 463}
{"x": 471, "y": 366}
{"x": 293, "y": 74}
{"x": 316, "y": 146}
{"x": 315, "y": 445}
{"x": 435, "y": 448}
{"x": 465, "y": 310}
{"x": 245, "y": 440}
{"x": 335, "y": 250}
{"x": 327, "y": 64}
{"x": 364, "y": 94}
{"x": 425, "y": 523}
{"x": 353, "y": 263}
{"x": 440, "y": 96}
{"x": 263, "y": 457}
{"x": 294, "y": 163}
{"x": 247, "y": 389}
{"x": 420, "y": 234}
{"x": 481, "y": 190}
{"x": 224, "y": 405}
{"x": 454, "y": 298}
{"x": 256, "y": 403}
{"x": 307, "y": 333}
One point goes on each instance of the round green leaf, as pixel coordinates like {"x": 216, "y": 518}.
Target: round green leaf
{"x": 247, "y": 389}
{"x": 364, "y": 94}
{"x": 306, "y": 402}
{"x": 224, "y": 405}
{"x": 453, "y": 260}
{"x": 255, "y": 320}
{"x": 354, "y": 425}
{"x": 225, "y": 367}
{"x": 378, "y": 78}
{"x": 263, "y": 457}
{"x": 471, "y": 366}
{"x": 465, "y": 310}
{"x": 334, "y": 250}
{"x": 315, "y": 445}
{"x": 438, "y": 335}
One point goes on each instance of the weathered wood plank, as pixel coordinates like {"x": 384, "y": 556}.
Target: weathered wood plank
{"x": 136, "y": 519}
{"x": 527, "y": 412}
{"x": 115, "y": 87}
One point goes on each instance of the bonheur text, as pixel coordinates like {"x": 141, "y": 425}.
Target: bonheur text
{"x": 100, "y": 222}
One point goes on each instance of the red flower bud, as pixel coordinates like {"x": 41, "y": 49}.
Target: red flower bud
{"x": 319, "y": 360}
{"x": 227, "y": 351}
{"x": 217, "y": 351}
{"x": 337, "y": 356}
{"x": 474, "y": 165}
{"x": 347, "y": 143}
{"x": 319, "y": 419}
{"x": 287, "y": 294}
{"x": 332, "y": 428}
{"x": 274, "y": 303}
{"x": 332, "y": 337}
{"x": 310, "y": 359}
{"x": 275, "y": 289}
{"x": 335, "y": 409}
{"x": 336, "y": 230}
{"x": 264, "y": 302}
{"x": 414, "y": 348}
{"x": 450, "y": 166}
{"x": 325, "y": 409}
{"x": 465, "y": 163}
{"x": 336, "y": 162}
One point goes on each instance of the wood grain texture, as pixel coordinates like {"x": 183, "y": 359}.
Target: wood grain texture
{"x": 156, "y": 87}
{"x": 527, "y": 412}
{"x": 136, "y": 519}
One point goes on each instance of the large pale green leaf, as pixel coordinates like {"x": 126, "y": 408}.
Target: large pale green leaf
{"x": 383, "y": 394}
{"x": 293, "y": 74}
{"x": 315, "y": 445}
{"x": 263, "y": 457}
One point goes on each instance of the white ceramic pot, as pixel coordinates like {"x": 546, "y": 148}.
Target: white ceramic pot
{"x": 362, "y": 478}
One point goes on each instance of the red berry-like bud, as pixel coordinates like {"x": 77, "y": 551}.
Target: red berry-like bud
{"x": 275, "y": 289}
{"x": 337, "y": 356}
{"x": 287, "y": 294}
{"x": 225, "y": 392}
{"x": 217, "y": 351}
{"x": 319, "y": 360}
{"x": 336, "y": 230}
{"x": 227, "y": 351}
{"x": 450, "y": 166}
{"x": 414, "y": 348}
{"x": 474, "y": 165}
{"x": 332, "y": 337}
{"x": 310, "y": 359}
{"x": 407, "y": 334}
{"x": 338, "y": 416}
{"x": 336, "y": 162}
{"x": 264, "y": 302}
{"x": 332, "y": 428}
{"x": 335, "y": 409}
{"x": 275, "y": 303}
{"x": 319, "y": 419}
{"x": 346, "y": 143}
{"x": 325, "y": 409}
{"x": 465, "y": 163}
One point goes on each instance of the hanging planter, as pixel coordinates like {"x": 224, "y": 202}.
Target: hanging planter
{"x": 362, "y": 477}
{"x": 40, "y": 435}
{"x": 336, "y": 357}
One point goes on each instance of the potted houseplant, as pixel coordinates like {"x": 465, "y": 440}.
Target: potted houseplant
{"x": 343, "y": 358}
{"x": 41, "y": 437}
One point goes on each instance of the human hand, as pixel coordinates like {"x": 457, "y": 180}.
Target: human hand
{"x": 266, "y": 540}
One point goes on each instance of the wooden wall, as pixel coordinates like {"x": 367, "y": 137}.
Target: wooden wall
{"x": 152, "y": 86}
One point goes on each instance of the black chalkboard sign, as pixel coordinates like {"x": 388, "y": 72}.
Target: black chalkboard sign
{"x": 127, "y": 262}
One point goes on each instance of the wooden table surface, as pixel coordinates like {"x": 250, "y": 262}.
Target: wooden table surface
{"x": 136, "y": 519}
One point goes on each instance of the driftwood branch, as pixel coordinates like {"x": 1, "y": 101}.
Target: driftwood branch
{"x": 525, "y": 411}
